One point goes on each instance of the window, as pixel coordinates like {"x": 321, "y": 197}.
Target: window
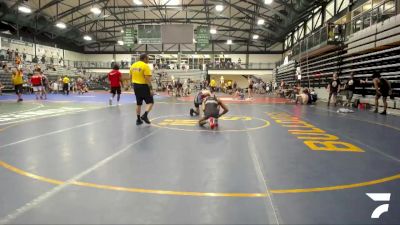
{"x": 357, "y": 11}
{"x": 357, "y": 23}
{"x": 376, "y": 3}
{"x": 329, "y": 10}
{"x": 317, "y": 20}
{"x": 366, "y": 6}
{"x": 341, "y": 5}
{"x": 301, "y": 31}
{"x": 366, "y": 21}
{"x": 309, "y": 26}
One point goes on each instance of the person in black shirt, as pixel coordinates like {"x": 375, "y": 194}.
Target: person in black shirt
{"x": 350, "y": 87}
{"x": 383, "y": 88}
{"x": 333, "y": 88}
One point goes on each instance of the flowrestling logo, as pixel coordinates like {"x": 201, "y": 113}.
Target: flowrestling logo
{"x": 379, "y": 197}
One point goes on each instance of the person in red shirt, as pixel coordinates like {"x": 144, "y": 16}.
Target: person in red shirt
{"x": 115, "y": 83}
{"x": 36, "y": 81}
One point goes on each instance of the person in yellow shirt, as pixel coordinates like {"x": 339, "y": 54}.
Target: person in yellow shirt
{"x": 213, "y": 85}
{"x": 141, "y": 80}
{"x": 18, "y": 80}
{"x": 65, "y": 81}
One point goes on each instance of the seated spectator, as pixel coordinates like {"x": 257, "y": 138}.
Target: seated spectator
{"x": 1, "y": 88}
{"x": 313, "y": 96}
{"x": 239, "y": 94}
{"x": 303, "y": 98}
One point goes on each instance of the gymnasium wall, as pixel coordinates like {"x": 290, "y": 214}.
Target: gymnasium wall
{"x": 264, "y": 58}
{"x": 240, "y": 80}
{"x": 73, "y": 56}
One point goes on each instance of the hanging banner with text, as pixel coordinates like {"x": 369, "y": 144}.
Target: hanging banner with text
{"x": 203, "y": 37}
{"x": 129, "y": 37}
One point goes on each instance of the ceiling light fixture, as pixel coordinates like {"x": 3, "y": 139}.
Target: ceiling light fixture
{"x": 229, "y": 42}
{"x": 213, "y": 31}
{"x": 87, "y": 38}
{"x": 260, "y": 22}
{"x": 219, "y": 8}
{"x": 255, "y": 37}
{"x": 268, "y": 2}
{"x": 61, "y": 25}
{"x": 122, "y": 31}
{"x": 120, "y": 42}
{"x": 95, "y": 10}
{"x": 137, "y": 2}
{"x": 24, "y": 9}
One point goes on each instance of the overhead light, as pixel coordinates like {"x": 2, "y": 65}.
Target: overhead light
{"x": 122, "y": 31}
{"x": 61, "y": 25}
{"x": 24, "y": 9}
{"x": 95, "y": 10}
{"x": 137, "y": 2}
{"x": 194, "y": 40}
{"x": 268, "y": 2}
{"x": 219, "y": 8}
{"x": 87, "y": 38}
{"x": 170, "y": 2}
{"x": 120, "y": 42}
{"x": 260, "y": 22}
{"x": 255, "y": 37}
{"x": 213, "y": 31}
{"x": 229, "y": 42}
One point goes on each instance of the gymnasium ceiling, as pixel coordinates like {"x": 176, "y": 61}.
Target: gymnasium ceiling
{"x": 237, "y": 20}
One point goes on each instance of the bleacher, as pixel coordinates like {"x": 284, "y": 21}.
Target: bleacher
{"x": 374, "y": 49}
{"x": 5, "y": 77}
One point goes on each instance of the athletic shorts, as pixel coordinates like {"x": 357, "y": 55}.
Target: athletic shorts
{"x": 37, "y": 88}
{"x": 115, "y": 90}
{"x": 384, "y": 94}
{"x": 208, "y": 115}
{"x": 142, "y": 92}
{"x": 18, "y": 89}
{"x": 211, "y": 113}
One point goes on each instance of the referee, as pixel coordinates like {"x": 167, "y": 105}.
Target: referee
{"x": 141, "y": 79}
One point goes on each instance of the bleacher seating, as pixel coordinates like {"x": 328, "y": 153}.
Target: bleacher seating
{"x": 52, "y": 75}
{"x": 374, "y": 49}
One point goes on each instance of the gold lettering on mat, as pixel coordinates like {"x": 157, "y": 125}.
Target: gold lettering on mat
{"x": 314, "y": 138}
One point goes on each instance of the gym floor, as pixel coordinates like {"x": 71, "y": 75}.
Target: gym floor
{"x": 75, "y": 160}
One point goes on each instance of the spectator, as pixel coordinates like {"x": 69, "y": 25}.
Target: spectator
{"x": 45, "y": 83}
{"x": 350, "y": 87}
{"x": 303, "y": 98}
{"x": 43, "y": 60}
{"x": 250, "y": 91}
{"x": 17, "y": 60}
{"x": 8, "y": 56}
{"x": 54, "y": 87}
{"x": 185, "y": 87}
{"x": 382, "y": 88}
{"x": 213, "y": 85}
{"x": 333, "y": 88}
{"x": 1, "y": 88}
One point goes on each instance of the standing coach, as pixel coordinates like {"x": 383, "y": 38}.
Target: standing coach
{"x": 141, "y": 79}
